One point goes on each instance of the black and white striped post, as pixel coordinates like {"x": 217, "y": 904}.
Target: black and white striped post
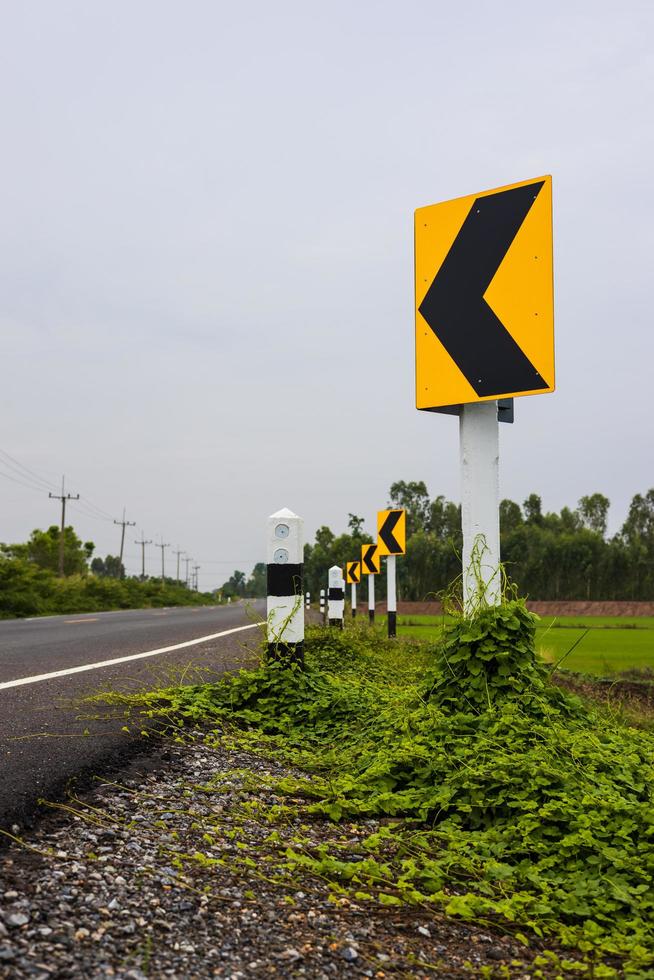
{"x": 370, "y": 566}
{"x": 336, "y": 597}
{"x": 285, "y": 555}
{"x": 323, "y": 604}
{"x": 307, "y": 602}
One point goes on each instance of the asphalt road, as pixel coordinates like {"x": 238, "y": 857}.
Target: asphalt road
{"x": 48, "y": 739}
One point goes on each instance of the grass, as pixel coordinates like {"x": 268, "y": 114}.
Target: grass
{"x": 607, "y": 644}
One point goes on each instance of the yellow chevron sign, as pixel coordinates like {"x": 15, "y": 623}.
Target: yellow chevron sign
{"x": 352, "y": 572}
{"x": 391, "y": 532}
{"x": 370, "y": 560}
{"x": 485, "y": 296}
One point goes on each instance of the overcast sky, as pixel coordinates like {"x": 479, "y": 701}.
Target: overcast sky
{"x": 206, "y": 254}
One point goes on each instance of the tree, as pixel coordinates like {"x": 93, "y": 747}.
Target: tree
{"x": 593, "y": 512}
{"x": 257, "y": 584}
{"x": 43, "y": 550}
{"x": 639, "y": 525}
{"x": 533, "y": 506}
{"x": 414, "y": 499}
{"x": 355, "y": 525}
{"x": 109, "y": 567}
{"x": 235, "y": 585}
{"x": 510, "y": 516}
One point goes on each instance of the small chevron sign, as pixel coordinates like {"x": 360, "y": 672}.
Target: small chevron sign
{"x": 370, "y": 560}
{"x": 353, "y": 572}
{"x": 484, "y": 296}
{"x": 391, "y": 532}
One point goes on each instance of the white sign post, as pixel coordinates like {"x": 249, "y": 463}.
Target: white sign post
{"x": 480, "y": 505}
{"x": 285, "y": 556}
{"x": 336, "y": 597}
{"x": 371, "y": 598}
{"x": 391, "y": 596}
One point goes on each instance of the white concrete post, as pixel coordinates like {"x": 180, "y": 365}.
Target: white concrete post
{"x": 391, "y": 592}
{"x": 336, "y": 597}
{"x": 480, "y": 505}
{"x": 371, "y": 598}
{"x": 285, "y": 555}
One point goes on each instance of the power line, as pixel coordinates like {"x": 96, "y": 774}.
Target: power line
{"x": 63, "y": 498}
{"x": 162, "y": 546}
{"x": 178, "y": 553}
{"x": 16, "y": 465}
{"x": 143, "y": 543}
{"x": 123, "y": 524}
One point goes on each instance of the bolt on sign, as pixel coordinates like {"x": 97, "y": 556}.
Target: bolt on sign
{"x": 370, "y": 560}
{"x": 485, "y": 296}
{"x": 391, "y": 532}
{"x": 352, "y": 572}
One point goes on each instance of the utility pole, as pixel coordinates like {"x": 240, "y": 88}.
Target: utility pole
{"x": 64, "y": 497}
{"x": 143, "y": 543}
{"x": 196, "y": 569}
{"x": 123, "y": 525}
{"x": 178, "y": 553}
{"x": 163, "y": 573}
{"x": 188, "y": 562}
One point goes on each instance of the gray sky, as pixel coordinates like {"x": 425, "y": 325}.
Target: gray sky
{"x": 206, "y": 253}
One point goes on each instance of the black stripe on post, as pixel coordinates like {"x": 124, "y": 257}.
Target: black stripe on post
{"x": 392, "y": 623}
{"x": 285, "y": 580}
{"x": 371, "y": 615}
{"x": 336, "y": 594}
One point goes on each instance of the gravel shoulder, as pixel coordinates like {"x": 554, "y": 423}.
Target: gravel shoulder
{"x": 164, "y": 872}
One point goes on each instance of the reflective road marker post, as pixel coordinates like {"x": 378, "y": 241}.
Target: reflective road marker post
{"x": 308, "y": 600}
{"x": 353, "y": 577}
{"x": 484, "y": 335}
{"x": 391, "y": 541}
{"x": 336, "y": 597}
{"x": 370, "y": 566}
{"x": 285, "y": 555}
{"x": 323, "y": 607}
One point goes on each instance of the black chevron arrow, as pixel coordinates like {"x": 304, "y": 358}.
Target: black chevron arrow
{"x": 354, "y": 572}
{"x": 368, "y": 558}
{"x": 455, "y": 308}
{"x": 386, "y": 532}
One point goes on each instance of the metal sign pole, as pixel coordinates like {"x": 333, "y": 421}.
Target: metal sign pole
{"x": 353, "y": 599}
{"x": 480, "y": 505}
{"x": 391, "y": 602}
{"x": 371, "y": 598}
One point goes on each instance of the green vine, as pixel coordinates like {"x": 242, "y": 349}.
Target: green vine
{"x": 505, "y": 799}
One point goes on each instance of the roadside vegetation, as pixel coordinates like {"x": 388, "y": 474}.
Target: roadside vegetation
{"x": 497, "y": 797}
{"x": 30, "y": 586}
{"x": 550, "y": 556}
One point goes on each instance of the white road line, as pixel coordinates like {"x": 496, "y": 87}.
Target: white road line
{"x": 36, "y": 678}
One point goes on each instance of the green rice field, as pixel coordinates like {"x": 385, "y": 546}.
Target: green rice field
{"x": 604, "y": 644}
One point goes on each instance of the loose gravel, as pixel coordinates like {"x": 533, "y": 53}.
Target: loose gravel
{"x": 164, "y": 873}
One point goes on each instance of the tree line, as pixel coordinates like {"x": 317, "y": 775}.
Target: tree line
{"x": 549, "y": 555}
{"x": 30, "y": 585}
